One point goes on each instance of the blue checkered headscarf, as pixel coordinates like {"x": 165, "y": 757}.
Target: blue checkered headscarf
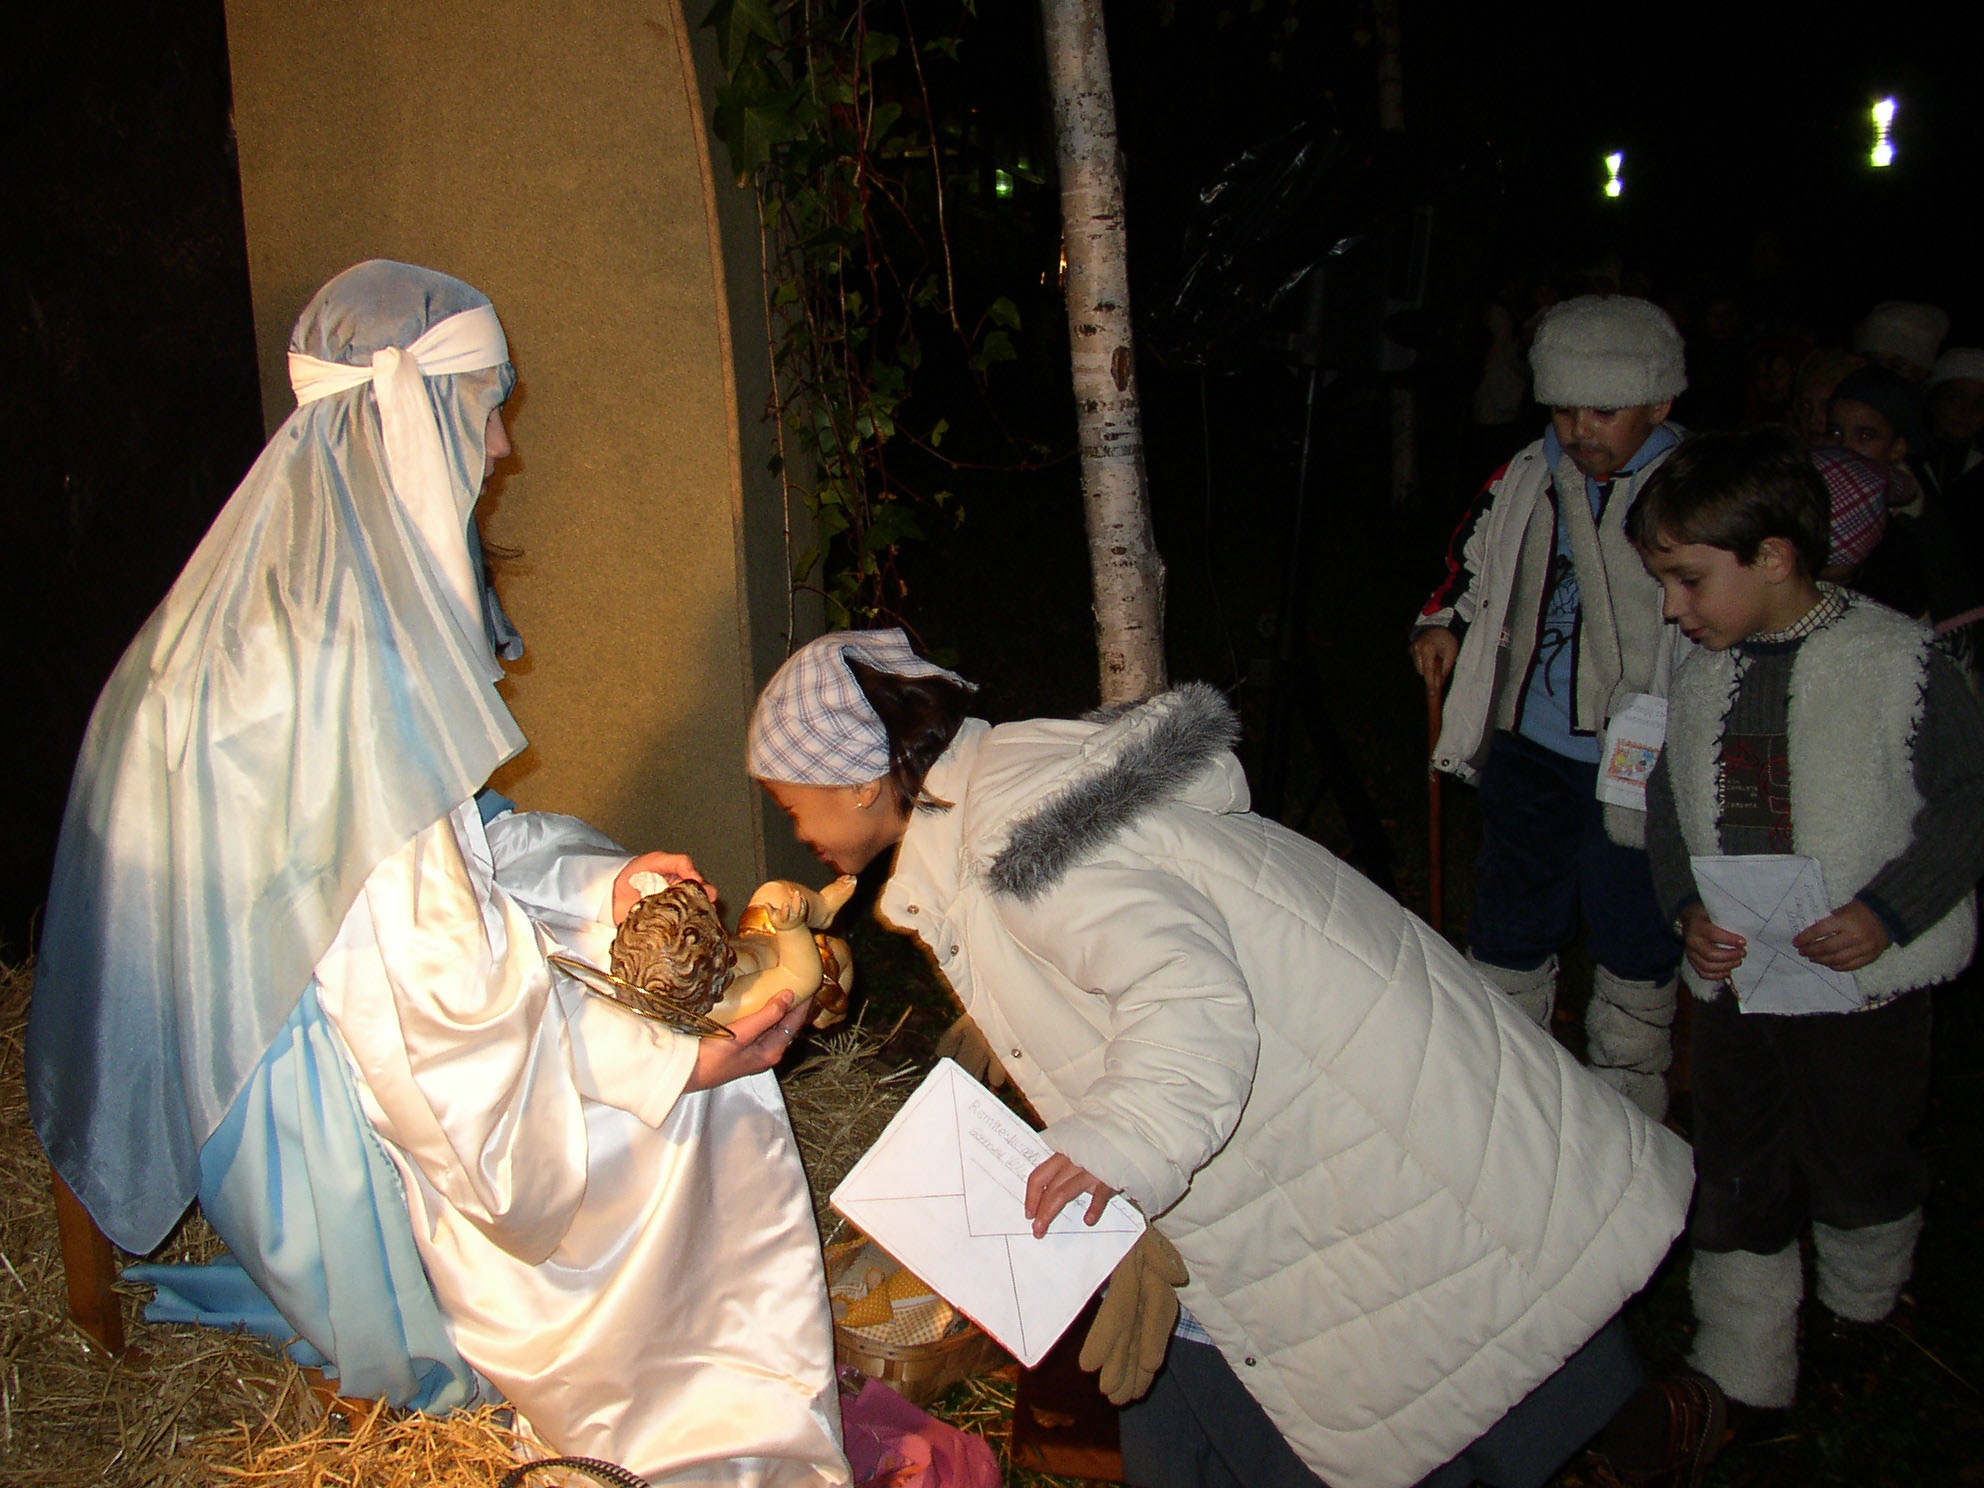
{"x": 813, "y": 726}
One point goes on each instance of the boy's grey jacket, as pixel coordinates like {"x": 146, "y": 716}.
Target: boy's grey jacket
{"x": 1855, "y": 705}
{"x": 1623, "y": 644}
{"x": 1402, "y": 1204}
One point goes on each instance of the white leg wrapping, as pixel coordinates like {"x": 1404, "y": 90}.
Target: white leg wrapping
{"x": 1859, "y": 1273}
{"x": 1534, "y": 991}
{"x": 1629, "y": 1038}
{"x": 1746, "y": 1322}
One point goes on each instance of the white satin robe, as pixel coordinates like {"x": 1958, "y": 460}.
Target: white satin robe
{"x": 637, "y": 1269}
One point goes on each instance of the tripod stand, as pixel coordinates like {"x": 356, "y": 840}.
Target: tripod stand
{"x": 1287, "y": 679}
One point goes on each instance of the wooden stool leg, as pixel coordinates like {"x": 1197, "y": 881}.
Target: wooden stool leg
{"x": 89, "y": 1262}
{"x": 1062, "y": 1424}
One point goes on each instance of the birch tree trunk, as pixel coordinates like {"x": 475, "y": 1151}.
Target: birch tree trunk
{"x": 1127, "y": 571}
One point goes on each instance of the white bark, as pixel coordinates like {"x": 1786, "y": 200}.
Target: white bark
{"x": 1127, "y": 570}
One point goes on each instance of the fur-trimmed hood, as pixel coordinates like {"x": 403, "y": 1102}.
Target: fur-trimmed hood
{"x": 1175, "y": 747}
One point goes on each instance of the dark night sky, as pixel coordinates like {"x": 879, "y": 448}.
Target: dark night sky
{"x": 1733, "y": 117}
{"x": 128, "y": 398}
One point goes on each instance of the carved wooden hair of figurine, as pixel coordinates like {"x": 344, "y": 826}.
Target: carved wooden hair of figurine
{"x": 673, "y": 942}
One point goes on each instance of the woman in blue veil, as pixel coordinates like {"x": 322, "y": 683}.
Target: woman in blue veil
{"x": 289, "y": 968}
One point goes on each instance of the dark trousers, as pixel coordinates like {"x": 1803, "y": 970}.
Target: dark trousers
{"x": 1806, "y": 1118}
{"x": 1199, "y": 1428}
{"x": 1545, "y": 860}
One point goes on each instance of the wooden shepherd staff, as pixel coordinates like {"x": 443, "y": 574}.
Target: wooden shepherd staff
{"x": 1436, "y": 853}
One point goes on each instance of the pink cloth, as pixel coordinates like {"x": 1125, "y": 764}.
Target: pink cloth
{"x": 892, "y": 1444}
{"x": 1862, "y": 490}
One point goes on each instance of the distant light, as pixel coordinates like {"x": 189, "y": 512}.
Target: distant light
{"x": 1615, "y": 183}
{"x": 1882, "y": 154}
{"x": 1002, "y": 183}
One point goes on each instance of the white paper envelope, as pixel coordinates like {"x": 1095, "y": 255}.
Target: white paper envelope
{"x": 1768, "y": 898}
{"x": 943, "y": 1190}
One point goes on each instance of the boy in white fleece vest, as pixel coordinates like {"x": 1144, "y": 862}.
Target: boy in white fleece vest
{"x": 1804, "y": 720}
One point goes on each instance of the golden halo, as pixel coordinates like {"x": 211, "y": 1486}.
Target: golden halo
{"x": 658, "y": 1007}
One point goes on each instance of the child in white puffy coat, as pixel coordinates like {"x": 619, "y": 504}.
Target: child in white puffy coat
{"x": 1409, "y": 1218}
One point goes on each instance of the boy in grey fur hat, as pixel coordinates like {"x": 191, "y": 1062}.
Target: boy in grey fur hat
{"x": 1548, "y": 627}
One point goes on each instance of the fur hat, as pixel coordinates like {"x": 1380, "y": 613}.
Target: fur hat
{"x": 1606, "y": 351}
{"x": 1904, "y": 329}
{"x": 1958, "y": 364}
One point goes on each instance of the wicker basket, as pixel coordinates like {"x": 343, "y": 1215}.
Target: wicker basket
{"x": 919, "y": 1372}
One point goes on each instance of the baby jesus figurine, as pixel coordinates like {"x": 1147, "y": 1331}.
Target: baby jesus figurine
{"x": 672, "y": 960}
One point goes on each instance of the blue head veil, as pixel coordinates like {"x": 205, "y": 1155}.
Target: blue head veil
{"x": 317, "y": 687}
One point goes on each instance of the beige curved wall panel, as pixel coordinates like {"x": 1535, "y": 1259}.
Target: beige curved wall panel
{"x": 555, "y": 156}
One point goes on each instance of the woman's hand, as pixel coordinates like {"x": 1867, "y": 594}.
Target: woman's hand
{"x": 1714, "y": 952}
{"x": 1051, "y": 1186}
{"x": 760, "y": 1042}
{"x": 1845, "y": 940}
{"x": 672, "y": 866}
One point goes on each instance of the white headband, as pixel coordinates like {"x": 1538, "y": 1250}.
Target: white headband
{"x": 470, "y": 341}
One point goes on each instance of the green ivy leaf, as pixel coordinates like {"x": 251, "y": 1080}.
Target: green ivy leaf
{"x": 752, "y": 118}
{"x": 1004, "y": 312}
{"x": 736, "y": 22}
{"x": 894, "y": 523}
{"x": 879, "y": 44}
{"x": 996, "y": 347}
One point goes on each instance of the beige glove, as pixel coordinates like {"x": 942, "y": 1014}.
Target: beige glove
{"x": 1132, "y": 1328}
{"x": 963, "y": 1043}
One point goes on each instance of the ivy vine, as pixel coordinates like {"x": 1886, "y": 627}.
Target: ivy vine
{"x": 830, "y": 112}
